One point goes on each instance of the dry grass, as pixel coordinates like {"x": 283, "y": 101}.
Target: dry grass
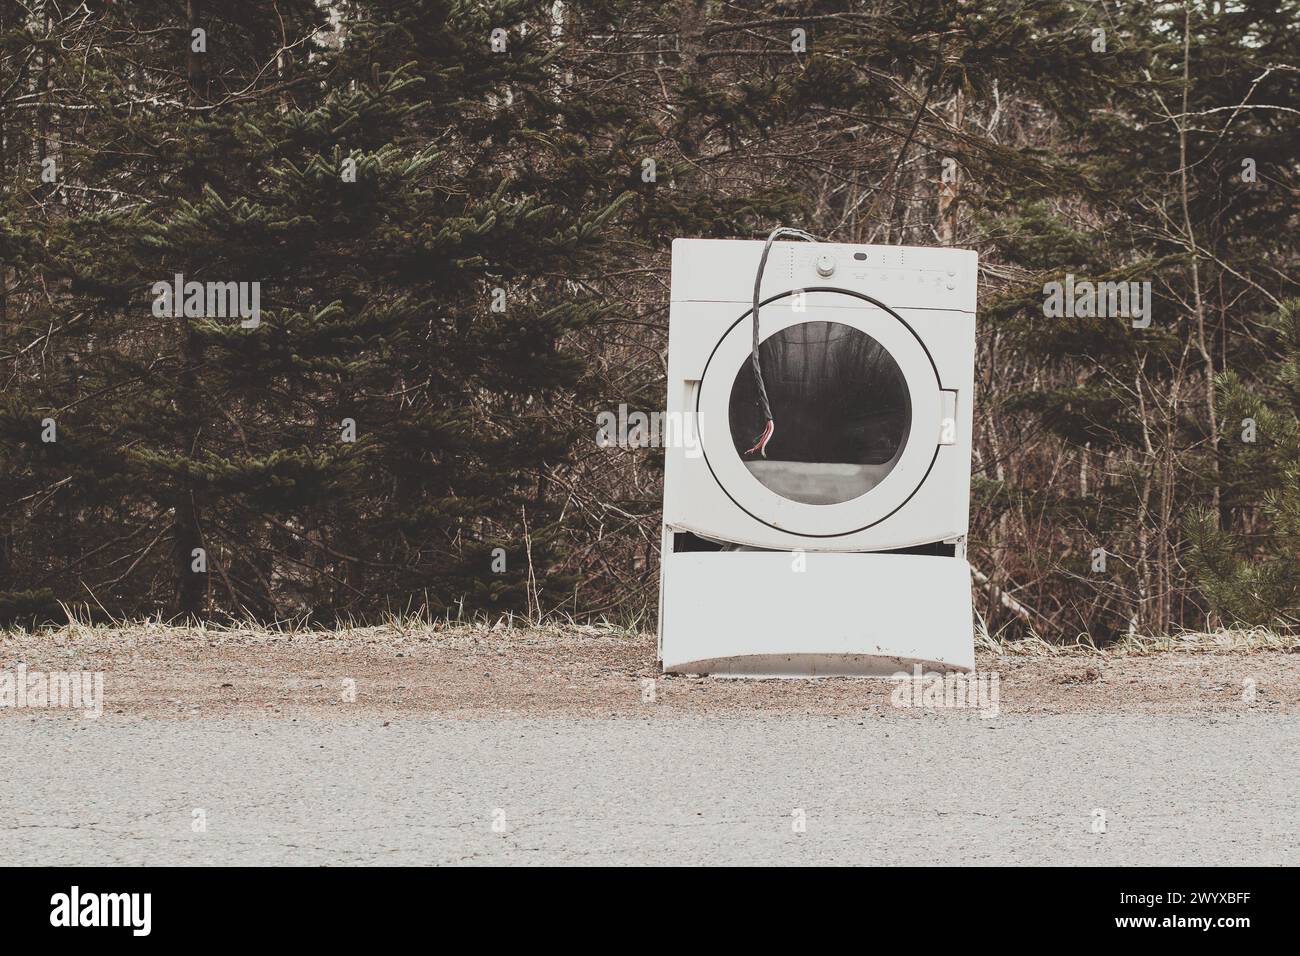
{"x": 81, "y": 623}
{"x": 1239, "y": 640}
{"x": 393, "y": 632}
{"x": 1232, "y": 640}
{"x": 558, "y": 630}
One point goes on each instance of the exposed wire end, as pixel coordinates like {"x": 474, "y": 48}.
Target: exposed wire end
{"x": 760, "y": 445}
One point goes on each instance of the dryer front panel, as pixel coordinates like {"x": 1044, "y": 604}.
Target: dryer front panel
{"x": 857, "y": 407}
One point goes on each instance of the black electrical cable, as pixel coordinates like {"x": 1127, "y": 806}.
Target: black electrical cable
{"x": 760, "y": 443}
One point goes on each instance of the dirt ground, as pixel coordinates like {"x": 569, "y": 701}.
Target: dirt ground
{"x": 468, "y": 672}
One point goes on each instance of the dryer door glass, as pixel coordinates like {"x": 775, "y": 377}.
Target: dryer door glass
{"x": 841, "y": 407}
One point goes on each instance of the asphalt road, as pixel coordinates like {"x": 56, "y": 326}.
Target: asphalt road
{"x": 936, "y": 789}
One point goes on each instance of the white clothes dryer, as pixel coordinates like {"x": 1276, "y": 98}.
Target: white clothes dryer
{"x": 840, "y": 548}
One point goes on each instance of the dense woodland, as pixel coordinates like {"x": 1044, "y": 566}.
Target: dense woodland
{"x": 459, "y": 217}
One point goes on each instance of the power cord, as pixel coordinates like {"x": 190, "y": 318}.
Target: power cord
{"x": 760, "y": 443}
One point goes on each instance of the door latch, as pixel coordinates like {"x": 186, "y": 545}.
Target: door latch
{"x": 947, "y": 417}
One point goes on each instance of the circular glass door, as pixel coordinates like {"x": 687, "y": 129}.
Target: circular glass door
{"x": 856, "y": 405}
{"x": 844, "y": 413}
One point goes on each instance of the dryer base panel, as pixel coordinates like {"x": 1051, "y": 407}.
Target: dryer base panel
{"x": 754, "y": 613}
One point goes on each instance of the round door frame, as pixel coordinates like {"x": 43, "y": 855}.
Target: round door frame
{"x": 712, "y": 407}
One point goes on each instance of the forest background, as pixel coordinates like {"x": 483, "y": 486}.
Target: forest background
{"x": 458, "y": 217}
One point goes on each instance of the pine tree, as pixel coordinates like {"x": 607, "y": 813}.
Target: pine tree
{"x": 1153, "y": 180}
{"x": 1251, "y": 574}
{"x": 409, "y": 215}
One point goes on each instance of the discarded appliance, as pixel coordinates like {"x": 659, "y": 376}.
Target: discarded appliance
{"x": 817, "y": 525}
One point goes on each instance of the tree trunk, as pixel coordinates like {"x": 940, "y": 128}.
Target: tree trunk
{"x": 191, "y": 585}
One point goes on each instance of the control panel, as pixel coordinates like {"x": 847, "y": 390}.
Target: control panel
{"x": 903, "y": 277}
{"x": 876, "y": 272}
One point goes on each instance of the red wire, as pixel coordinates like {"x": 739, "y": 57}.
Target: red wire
{"x": 761, "y": 445}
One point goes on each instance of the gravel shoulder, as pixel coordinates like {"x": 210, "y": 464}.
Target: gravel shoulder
{"x": 398, "y": 672}
{"x": 567, "y": 746}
